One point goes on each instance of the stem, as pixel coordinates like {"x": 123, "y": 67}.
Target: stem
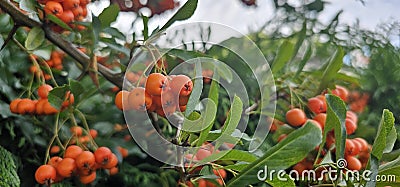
{"x": 85, "y": 124}
{"x": 52, "y": 139}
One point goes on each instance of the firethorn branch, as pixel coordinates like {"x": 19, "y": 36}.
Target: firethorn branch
{"x": 22, "y": 20}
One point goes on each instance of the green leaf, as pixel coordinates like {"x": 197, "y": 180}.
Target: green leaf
{"x": 332, "y": 68}
{"x": 185, "y": 12}
{"x": 286, "y": 153}
{"x": 44, "y": 52}
{"x": 284, "y": 54}
{"x": 236, "y": 167}
{"x": 196, "y": 92}
{"x": 117, "y": 47}
{"x": 233, "y": 155}
{"x": 58, "y": 21}
{"x": 382, "y": 139}
{"x": 335, "y": 119}
{"x": 183, "y": 54}
{"x": 114, "y": 32}
{"x": 57, "y": 96}
{"x": 109, "y": 15}
{"x": 232, "y": 121}
{"x": 283, "y": 181}
{"x": 211, "y": 110}
{"x": 76, "y": 88}
{"x": 390, "y": 169}
{"x": 28, "y": 5}
{"x": 8, "y": 169}
{"x": 146, "y": 27}
{"x": 35, "y": 38}
{"x": 223, "y": 70}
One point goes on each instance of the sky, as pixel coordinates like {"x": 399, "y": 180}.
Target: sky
{"x": 246, "y": 19}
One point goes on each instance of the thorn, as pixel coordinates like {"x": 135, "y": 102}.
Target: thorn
{"x": 10, "y": 35}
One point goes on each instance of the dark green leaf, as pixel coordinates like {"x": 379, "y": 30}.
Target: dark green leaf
{"x": 284, "y": 181}
{"x": 58, "y": 21}
{"x": 286, "y": 153}
{"x": 390, "y": 169}
{"x": 333, "y": 66}
{"x": 146, "y": 27}
{"x": 109, "y": 15}
{"x": 304, "y": 60}
{"x": 76, "y": 88}
{"x": 114, "y": 32}
{"x": 185, "y": 12}
{"x": 57, "y": 96}
{"x": 35, "y": 38}
{"x": 8, "y": 169}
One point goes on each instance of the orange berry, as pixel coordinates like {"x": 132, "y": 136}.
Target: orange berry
{"x": 45, "y": 174}
{"x": 124, "y": 152}
{"x": 316, "y": 105}
{"x": 76, "y": 130}
{"x": 54, "y": 8}
{"x": 353, "y": 163}
{"x": 182, "y": 85}
{"x": 54, "y": 161}
{"x": 112, "y": 162}
{"x": 121, "y": 99}
{"x": 70, "y": 4}
{"x": 296, "y": 117}
{"x": 66, "y": 167}
{"x": 43, "y": 91}
{"x": 69, "y": 99}
{"x": 67, "y": 16}
{"x": 48, "y": 109}
{"x": 14, "y": 105}
{"x": 26, "y": 106}
{"x": 54, "y": 149}
{"x": 350, "y": 126}
{"x": 113, "y": 171}
{"x": 93, "y": 133}
{"x": 85, "y": 160}
{"x": 139, "y": 99}
{"x": 156, "y": 83}
{"x": 72, "y": 151}
{"x": 103, "y": 155}
{"x": 87, "y": 179}
{"x": 321, "y": 119}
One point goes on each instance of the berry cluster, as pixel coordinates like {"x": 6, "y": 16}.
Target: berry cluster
{"x": 356, "y": 150}
{"x": 77, "y": 162}
{"x": 55, "y": 61}
{"x": 67, "y": 11}
{"x": 205, "y": 150}
{"x": 41, "y": 106}
{"x": 161, "y": 94}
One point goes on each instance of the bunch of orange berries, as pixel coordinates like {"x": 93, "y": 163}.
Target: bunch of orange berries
{"x": 55, "y": 61}
{"x": 161, "y": 94}
{"x": 41, "y": 106}
{"x": 356, "y": 150}
{"x": 66, "y": 10}
{"x": 77, "y": 162}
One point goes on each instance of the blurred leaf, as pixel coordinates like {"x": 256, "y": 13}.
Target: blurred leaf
{"x": 283, "y": 55}
{"x": 76, "y": 88}
{"x": 28, "y": 5}
{"x": 35, "y": 38}
{"x": 114, "y": 32}
{"x": 185, "y": 12}
{"x": 57, "y": 96}
{"x": 58, "y": 21}
{"x": 109, "y": 15}
{"x": 333, "y": 66}
{"x": 223, "y": 70}
{"x": 103, "y": 128}
{"x": 44, "y": 52}
{"x": 183, "y": 54}
{"x": 304, "y": 60}
{"x": 293, "y": 149}
{"x": 96, "y": 28}
{"x": 117, "y": 47}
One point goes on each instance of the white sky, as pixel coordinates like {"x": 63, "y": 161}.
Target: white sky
{"x": 245, "y": 19}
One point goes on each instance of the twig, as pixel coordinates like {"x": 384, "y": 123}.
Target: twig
{"x": 23, "y": 20}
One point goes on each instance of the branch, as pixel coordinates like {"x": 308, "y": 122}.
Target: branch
{"x": 23, "y": 20}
